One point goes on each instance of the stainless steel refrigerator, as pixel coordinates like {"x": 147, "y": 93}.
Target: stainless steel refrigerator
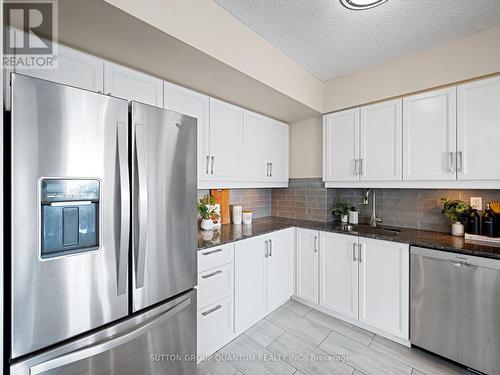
{"x": 102, "y": 234}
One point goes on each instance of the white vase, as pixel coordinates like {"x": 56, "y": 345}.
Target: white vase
{"x": 344, "y": 219}
{"x": 457, "y": 229}
{"x": 207, "y": 224}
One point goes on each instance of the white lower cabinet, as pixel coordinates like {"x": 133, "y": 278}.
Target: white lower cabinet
{"x": 215, "y": 326}
{"x": 338, "y": 281}
{"x": 364, "y": 281}
{"x": 384, "y": 286}
{"x": 215, "y": 299}
{"x": 307, "y": 265}
{"x": 263, "y": 269}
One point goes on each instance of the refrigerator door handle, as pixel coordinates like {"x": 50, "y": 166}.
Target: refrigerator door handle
{"x": 142, "y": 199}
{"x": 122, "y": 132}
{"x": 107, "y": 345}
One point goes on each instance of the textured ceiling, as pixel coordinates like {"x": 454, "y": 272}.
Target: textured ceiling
{"x": 330, "y": 40}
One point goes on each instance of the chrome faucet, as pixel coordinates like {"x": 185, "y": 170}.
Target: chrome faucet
{"x": 374, "y": 220}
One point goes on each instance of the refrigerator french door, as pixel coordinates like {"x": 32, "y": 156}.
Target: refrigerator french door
{"x": 163, "y": 204}
{"x": 89, "y": 173}
{"x": 70, "y": 212}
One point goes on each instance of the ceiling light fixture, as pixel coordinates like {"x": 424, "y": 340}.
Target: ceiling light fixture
{"x": 361, "y": 4}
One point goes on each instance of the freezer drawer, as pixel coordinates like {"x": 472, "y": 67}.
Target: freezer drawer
{"x": 160, "y": 341}
{"x": 455, "y": 307}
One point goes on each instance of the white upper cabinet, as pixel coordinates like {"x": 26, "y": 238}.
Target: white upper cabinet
{"x": 381, "y": 142}
{"x": 192, "y": 103}
{"x": 429, "y": 136}
{"x": 74, "y": 68}
{"x": 265, "y": 149}
{"x": 307, "y": 265}
{"x": 338, "y": 272}
{"x": 130, "y": 84}
{"x": 256, "y": 146}
{"x": 226, "y": 141}
{"x": 341, "y": 146}
{"x": 384, "y": 291}
{"x": 278, "y": 151}
{"x": 478, "y": 130}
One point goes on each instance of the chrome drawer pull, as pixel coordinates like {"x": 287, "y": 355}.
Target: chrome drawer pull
{"x": 211, "y": 274}
{"x": 205, "y": 313}
{"x": 212, "y": 252}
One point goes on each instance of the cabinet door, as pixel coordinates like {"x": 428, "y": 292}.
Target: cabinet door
{"x": 338, "y": 273}
{"x": 249, "y": 282}
{"x": 478, "y": 136}
{"x": 307, "y": 265}
{"x": 130, "y": 84}
{"x": 74, "y": 68}
{"x": 226, "y": 141}
{"x": 278, "y": 149}
{"x": 384, "y": 286}
{"x": 256, "y": 146}
{"x": 429, "y": 136}
{"x": 341, "y": 145}
{"x": 280, "y": 268}
{"x": 191, "y": 103}
{"x": 381, "y": 141}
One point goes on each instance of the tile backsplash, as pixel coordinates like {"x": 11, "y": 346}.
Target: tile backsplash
{"x": 308, "y": 199}
{"x": 257, "y": 200}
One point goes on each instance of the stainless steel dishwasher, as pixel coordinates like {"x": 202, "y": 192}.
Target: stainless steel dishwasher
{"x": 455, "y": 307}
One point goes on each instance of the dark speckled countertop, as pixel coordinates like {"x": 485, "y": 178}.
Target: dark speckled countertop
{"x": 434, "y": 240}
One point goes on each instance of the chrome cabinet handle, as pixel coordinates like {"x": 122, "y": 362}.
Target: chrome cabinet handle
{"x": 142, "y": 197}
{"x": 213, "y": 163}
{"x": 266, "y": 249}
{"x": 104, "y": 346}
{"x": 460, "y": 161}
{"x": 214, "y": 309}
{"x": 361, "y": 166}
{"x": 122, "y": 139}
{"x": 356, "y": 161}
{"x": 354, "y": 246}
{"x": 360, "y": 259}
{"x": 208, "y": 164}
{"x": 267, "y": 171}
{"x": 451, "y": 164}
{"x": 315, "y": 244}
{"x": 212, "y": 252}
{"x": 211, "y": 274}
{"x": 270, "y": 248}
{"x": 270, "y": 169}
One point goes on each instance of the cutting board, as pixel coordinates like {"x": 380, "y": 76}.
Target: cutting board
{"x": 222, "y": 197}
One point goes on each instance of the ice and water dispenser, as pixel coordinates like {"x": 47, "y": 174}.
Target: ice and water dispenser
{"x": 70, "y": 216}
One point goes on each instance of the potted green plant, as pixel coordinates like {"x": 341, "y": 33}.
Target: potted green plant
{"x": 456, "y": 211}
{"x": 341, "y": 210}
{"x": 208, "y": 212}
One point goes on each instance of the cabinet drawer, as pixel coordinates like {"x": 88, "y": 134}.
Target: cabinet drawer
{"x": 215, "y": 284}
{"x": 215, "y": 257}
{"x": 215, "y": 326}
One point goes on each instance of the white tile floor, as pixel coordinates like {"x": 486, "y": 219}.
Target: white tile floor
{"x": 298, "y": 340}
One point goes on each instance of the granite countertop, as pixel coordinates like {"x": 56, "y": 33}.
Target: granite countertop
{"x": 435, "y": 240}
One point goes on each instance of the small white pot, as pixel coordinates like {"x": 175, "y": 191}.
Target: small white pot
{"x": 207, "y": 224}
{"x": 457, "y": 229}
{"x": 344, "y": 219}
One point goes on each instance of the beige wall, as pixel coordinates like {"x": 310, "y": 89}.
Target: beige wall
{"x": 473, "y": 56}
{"x": 305, "y": 148}
{"x": 210, "y": 28}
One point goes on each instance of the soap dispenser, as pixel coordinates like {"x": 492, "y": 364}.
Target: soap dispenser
{"x": 473, "y": 223}
{"x": 488, "y": 222}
